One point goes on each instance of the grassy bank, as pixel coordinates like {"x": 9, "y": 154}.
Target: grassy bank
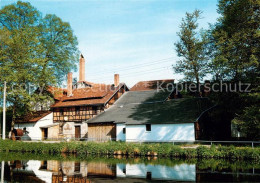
{"x": 131, "y": 149}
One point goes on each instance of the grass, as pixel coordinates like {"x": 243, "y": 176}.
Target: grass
{"x": 131, "y": 150}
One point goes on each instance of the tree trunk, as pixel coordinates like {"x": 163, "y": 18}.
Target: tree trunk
{"x": 13, "y": 117}
{"x": 199, "y": 93}
{"x": 197, "y": 80}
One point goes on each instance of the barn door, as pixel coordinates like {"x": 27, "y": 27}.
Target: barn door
{"x": 44, "y": 133}
{"x": 77, "y": 132}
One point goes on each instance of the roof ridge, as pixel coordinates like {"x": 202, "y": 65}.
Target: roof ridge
{"x": 156, "y": 80}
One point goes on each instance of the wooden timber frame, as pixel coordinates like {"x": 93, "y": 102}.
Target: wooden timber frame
{"x": 197, "y": 130}
{"x": 84, "y": 112}
{"x": 76, "y": 114}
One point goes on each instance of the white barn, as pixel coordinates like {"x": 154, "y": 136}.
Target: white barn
{"x": 156, "y": 132}
{"x": 38, "y": 125}
{"x": 151, "y": 116}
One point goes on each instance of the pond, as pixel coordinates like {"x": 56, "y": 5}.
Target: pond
{"x": 65, "y": 168}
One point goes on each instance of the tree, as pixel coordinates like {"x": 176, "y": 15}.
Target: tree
{"x": 35, "y": 52}
{"x": 236, "y": 38}
{"x": 60, "y": 47}
{"x": 249, "y": 122}
{"x": 191, "y": 48}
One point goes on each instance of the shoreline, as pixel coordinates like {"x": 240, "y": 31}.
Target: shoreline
{"x": 132, "y": 149}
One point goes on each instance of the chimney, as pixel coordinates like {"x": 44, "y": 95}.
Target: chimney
{"x": 81, "y": 68}
{"x": 116, "y": 80}
{"x": 69, "y": 84}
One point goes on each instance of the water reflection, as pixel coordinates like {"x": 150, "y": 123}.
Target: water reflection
{"x": 54, "y": 171}
{"x": 183, "y": 172}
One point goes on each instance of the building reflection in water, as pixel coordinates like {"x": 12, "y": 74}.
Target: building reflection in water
{"x": 53, "y": 171}
{"x": 183, "y": 172}
{"x": 71, "y": 171}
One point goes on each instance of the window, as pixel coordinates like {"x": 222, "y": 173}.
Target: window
{"x": 61, "y": 112}
{"x": 123, "y": 130}
{"x": 148, "y": 127}
{"x": 94, "y": 110}
{"x": 77, "y": 110}
{"x": 77, "y": 167}
{"x": 149, "y": 175}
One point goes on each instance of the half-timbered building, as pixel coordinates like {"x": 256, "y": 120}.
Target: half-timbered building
{"x": 84, "y": 101}
{"x": 79, "y": 102}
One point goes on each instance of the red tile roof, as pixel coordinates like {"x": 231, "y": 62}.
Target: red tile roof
{"x": 32, "y": 117}
{"x": 57, "y": 93}
{"x": 95, "y": 91}
{"x": 151, "y": 85}
{"x": 86, "y": 82}
{"x": 95, "y": 95}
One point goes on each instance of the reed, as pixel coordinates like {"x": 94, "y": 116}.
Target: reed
{"x": 131, "y": 149}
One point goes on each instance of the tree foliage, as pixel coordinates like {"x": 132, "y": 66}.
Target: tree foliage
{"x": 35, "y": 52}
{"x": 191, "y": 48}
{"x": 236, "y": 38}
{"x": 59, "y": 43}
{"x": 249, "y": 122}
{"x": 236, "y": 44}
{"x": 232, "y": 48}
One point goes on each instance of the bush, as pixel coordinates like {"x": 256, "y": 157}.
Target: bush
{"x": 131, "y": 149}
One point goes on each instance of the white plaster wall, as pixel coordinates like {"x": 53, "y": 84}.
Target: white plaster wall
{"x": 34, "y": 165}
{"x": 84, "y": 130}
{"x": 34, "y": 129}
{"x": 69, "y": 129}
{"x": 160, "y": 132}
{"x": 119, "y": 170}
{"x": 183, "y": 172}
{"x": 119, "y": 132}
{"x": 68, "y": 167}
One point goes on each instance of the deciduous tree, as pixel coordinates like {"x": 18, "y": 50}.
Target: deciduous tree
{"x": 191, "y": 48}
{"x": 236, "y": 37}
{"x": 235, "y": 40}
{"x": 35, "y": 52}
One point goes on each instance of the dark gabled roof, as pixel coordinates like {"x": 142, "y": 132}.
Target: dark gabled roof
{"x": 131, "y": 97}
{"x": 148, "y": 111}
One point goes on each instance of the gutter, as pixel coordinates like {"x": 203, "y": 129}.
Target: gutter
{"x": 96, "y": 104}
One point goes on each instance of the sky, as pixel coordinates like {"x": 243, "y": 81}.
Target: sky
{"x": 134, "y": 38}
